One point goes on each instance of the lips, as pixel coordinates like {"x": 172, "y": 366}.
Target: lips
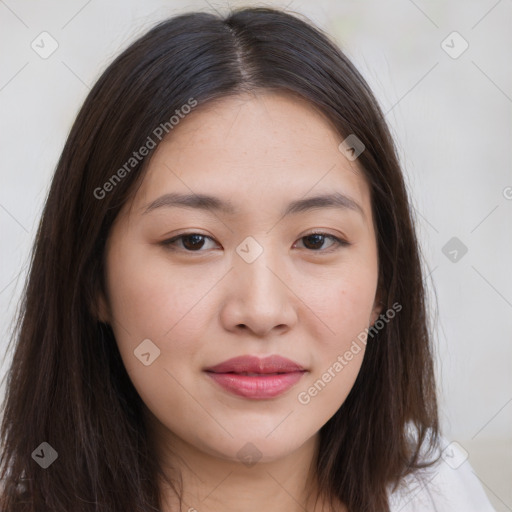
{"x": 256, "y": 378}
{"x": 252, "y": 364}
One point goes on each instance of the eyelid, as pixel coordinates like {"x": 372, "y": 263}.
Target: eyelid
{"x": 339, "y": 241}
{"x": 168, "y": 242}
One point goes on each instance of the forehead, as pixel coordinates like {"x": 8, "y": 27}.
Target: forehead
{"x": 270, "y": 146}
{"x": 278, "y": 123}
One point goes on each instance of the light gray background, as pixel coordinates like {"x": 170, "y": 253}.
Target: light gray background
{"x": 451, "y": 118}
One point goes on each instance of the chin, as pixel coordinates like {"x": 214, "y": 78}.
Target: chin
{"x": 252, "y": 448}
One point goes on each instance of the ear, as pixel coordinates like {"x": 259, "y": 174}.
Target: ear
{"x": 378, "y": 306}
{"x": 101, "y": 309}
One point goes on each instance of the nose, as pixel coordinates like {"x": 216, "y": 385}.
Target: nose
{"x": 260, "y": 298}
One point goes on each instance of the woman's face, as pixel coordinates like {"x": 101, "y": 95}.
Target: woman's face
{"x": 251, "y": 281}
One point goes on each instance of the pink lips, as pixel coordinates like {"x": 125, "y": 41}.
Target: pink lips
{"x": 252, "y": 377}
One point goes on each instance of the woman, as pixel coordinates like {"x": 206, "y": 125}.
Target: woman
{"x": 225, "y": 308}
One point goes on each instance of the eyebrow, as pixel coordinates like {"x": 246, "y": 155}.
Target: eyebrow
{"x": 207, "y": 202}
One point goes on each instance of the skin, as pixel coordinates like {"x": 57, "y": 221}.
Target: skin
{"x": 304, "y": 299}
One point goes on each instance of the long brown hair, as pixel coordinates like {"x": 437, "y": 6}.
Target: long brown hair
{"x": 67, "y": 385}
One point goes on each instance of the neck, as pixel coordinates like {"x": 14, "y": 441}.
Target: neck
{"x": 209, "y": 483}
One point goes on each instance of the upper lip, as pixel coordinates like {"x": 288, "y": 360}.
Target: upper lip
{"x": 254, "y": 364}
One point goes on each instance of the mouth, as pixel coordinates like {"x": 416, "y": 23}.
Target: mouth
{"x": 255, "y": 378}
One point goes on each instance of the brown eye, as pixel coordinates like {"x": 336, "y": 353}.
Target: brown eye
{"x": 315, "y": 242}
{"x": 190, "y": 242}
{"x": 193, "y": 242}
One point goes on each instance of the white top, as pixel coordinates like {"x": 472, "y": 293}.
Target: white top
{"x": 451, "y": 485}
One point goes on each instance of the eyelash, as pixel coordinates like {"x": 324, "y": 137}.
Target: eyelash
{"x": 338, "y": 242}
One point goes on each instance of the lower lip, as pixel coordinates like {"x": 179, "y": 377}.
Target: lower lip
{"x": 256, "y": 387}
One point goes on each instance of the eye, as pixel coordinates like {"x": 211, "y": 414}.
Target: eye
{"x": 194, "y": 242}
{"x": 191, "y": 242}
{"x": 315, "y": 241}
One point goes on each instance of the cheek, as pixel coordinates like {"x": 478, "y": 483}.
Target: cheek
{"x": 344, "y": 306}
{"x": 149, "y": 298}
{"x": 345, "y": 303}
{"x": 146, "y": 305}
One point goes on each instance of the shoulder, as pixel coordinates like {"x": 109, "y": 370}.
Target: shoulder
{"x": 450, "y": 485}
